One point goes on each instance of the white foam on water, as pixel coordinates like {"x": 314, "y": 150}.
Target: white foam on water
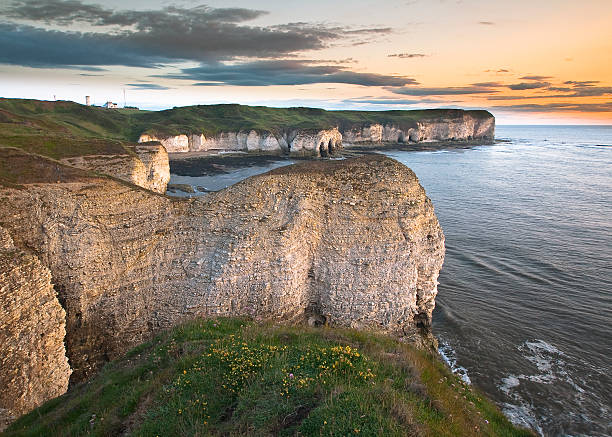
{"x": 551, "y": 367}
{"x": 449, "y": 356}
{"x": 522, "y": 415}
{"x": 549, "y": 361}
{"x": 508, "y": 383}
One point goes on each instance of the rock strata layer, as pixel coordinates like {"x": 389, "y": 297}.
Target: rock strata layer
{"x": 349, "y": 243}
{"x": 454, "y": 126}
{"x": 33, "y": 363}
{"x": 463, "y": 128}
{"x": 303, "y": 142}
{"x": 148, "y": 167}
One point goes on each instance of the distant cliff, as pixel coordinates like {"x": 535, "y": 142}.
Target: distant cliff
{"x": 348, "y": 243}
{"x": 66, "y": 129}
{"x": 340, "y": 131}
{"x": 302, "y": 142}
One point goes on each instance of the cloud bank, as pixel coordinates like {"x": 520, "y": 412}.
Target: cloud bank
{"x": 213, "y": 37}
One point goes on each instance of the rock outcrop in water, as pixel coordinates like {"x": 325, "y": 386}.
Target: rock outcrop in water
{"x": 349, "y": 243}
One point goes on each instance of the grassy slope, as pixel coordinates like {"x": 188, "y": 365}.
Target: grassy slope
{"x": 20, "y": 117}
{"x": 236, "y": 377}
{"x": 61, "y": 129}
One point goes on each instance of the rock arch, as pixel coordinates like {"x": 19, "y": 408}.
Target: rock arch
{"x": 331, "y": 147}
{"x": 323, "y": 150}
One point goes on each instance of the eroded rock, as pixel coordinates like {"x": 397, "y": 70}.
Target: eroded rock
{"x": 354, "y": 243}
{"x": 305, "y": 142}
{"x": 450, "y": 125}
{"x": 148, "y": 167}
{"x": 33, "y": 363}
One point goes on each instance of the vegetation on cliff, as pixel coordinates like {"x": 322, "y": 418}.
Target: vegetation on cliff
{"x": 64, "y": 129}
{"x": 238, "y": 377}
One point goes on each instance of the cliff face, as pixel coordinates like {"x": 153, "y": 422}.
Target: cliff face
{"x": 317, "y": 143}
{"x": 33, "y": 363}
{"x": 456, "y": 126}
{"x": 299, "y": 142}
{"x": 148, "y": 167}
{"x": 352, "y": 243}
{"x": 464, "y": 128}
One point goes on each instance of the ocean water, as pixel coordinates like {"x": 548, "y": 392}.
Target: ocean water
{"x": 524, "y": 309}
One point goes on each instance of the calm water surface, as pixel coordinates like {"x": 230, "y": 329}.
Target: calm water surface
{"x": 524, "y": 309}
{"x": 525, "y": 302}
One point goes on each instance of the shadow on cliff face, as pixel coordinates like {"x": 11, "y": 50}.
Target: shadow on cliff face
{"x": 129, "y": 262}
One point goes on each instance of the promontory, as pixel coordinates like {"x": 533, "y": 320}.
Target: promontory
{"x": 95, "y": 259}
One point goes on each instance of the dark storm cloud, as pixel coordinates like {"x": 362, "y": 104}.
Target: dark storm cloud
{"x": 154, "y": 37}
{"x": 407, "y": 55}
{"x": 555, "y": 107}
{"x": 573, "y": 93}
{"x": 589, "y": 91}
{"x": 536, "y": 78}
{"x": 68, "y": 11}
{"x": 488, "y": 84}
{"x": 528, "y": 86}
{"x": 33, "y": 47}
{"x": 450, "y": 91}
{"x": 378, "y": 30}
{"x": 146, "y": 86}
{"x": 584, "y": 83}
{"x": 390, "y": 102}
{"x": 283, "y": 72}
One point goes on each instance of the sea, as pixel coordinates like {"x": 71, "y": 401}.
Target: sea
{"x": 524, "y": 310}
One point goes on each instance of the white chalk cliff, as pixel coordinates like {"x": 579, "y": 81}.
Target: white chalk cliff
{"x": 307, "y": 142}
{"x": 460, "y": 126}
{"x": 352, "y": 242}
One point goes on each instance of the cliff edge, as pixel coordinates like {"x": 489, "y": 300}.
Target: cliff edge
{"x": 346, "y": 243}
{"x": 33, "y": 363}
{"x": 64, "y": 129}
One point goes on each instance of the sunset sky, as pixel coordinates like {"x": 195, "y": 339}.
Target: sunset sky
{"x": 527, "y": 61}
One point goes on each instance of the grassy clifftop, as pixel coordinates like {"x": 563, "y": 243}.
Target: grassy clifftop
{"x": 21, "y": 118}
{"x": 237, "y": 377}
{"x": 62, "y": 129}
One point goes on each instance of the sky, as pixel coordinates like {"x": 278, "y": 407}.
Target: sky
{"x": 526, "y": 61}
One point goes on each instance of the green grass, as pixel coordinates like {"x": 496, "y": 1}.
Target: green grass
{"x": 237, "y": 377}
{"x": 127, "y": 125}
{"x": 62, "y": 129}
